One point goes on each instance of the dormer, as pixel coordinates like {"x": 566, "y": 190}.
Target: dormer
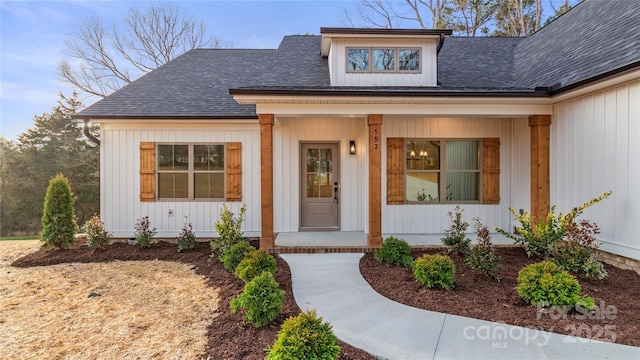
{"x": 382, "y": 57}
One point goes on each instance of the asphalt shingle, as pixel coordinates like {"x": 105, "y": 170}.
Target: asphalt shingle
{"x": 593, "y": 38}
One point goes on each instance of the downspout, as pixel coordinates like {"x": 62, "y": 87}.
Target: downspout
{"x": 440, "y": 43}
{"x": 88, "y": 134}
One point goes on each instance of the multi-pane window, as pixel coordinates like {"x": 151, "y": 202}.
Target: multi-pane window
{"x": 383, "y": 60}
{"x": 358, "y": 59}
{"x": 409, "y": 59}
{"x": 442, "y": 170}
{"x": 191, "y": 171}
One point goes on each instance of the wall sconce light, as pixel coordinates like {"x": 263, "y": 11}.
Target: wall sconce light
{"x": 352, "y": 147}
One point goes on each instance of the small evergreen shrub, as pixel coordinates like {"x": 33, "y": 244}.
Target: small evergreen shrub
{"x": 254, "y": 264}
{"x": 229, "y": 230}
{"x": 97, "y": 235}
{"x": 305, "y": 336}
{"x": 546, "y": 284}
{"x": 58, "y": 217}
{"x": 435, "y": 271}
{"x": 394, "y": 251}
{"x": 483, "y": 256}
{"x": 235, "y": 255}
{"x": 144, "y": 233}
{"x": 261, "y": 300}
{"x": 186, "y": 238}
{"x": 455, "y": 237}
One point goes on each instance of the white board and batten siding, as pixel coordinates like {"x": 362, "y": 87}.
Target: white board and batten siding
{"x": 427, "y": 76}
{"x": 120, "y": 178}
{"x": 515, "y": 171}
{"x": 289, "y": 133}
{"x": 595, "y": 142}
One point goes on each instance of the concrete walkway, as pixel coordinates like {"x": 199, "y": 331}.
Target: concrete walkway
{"x": 332, "y": 284}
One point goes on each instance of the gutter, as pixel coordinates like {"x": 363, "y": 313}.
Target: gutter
{"x": 537, "y": 92}
{"x": 559, "y": 89}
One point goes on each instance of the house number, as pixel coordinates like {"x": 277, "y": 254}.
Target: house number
{"x": 375, "y": 139}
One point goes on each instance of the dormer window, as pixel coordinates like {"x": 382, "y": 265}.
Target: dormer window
{"x": 358, "y": 60}
{"x": 396, "y": 60}
{"x": 383, "y": 60}
{"x": 409, "y": 59}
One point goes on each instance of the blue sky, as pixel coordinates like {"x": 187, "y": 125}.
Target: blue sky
{"x": 33, "y": 35}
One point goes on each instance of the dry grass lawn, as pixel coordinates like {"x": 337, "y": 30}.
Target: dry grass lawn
{"x": 147, "y": 309}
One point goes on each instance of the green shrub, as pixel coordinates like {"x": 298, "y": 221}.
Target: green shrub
{"x": 545, "y": 284}
{"x": 394, "y": 251}
{"x": 305, "y": 336}
{"x": 186, "y": 238}
{"x": 455, "y": 237}
{"x": 235, "y": 255}
{"x": 435, "y": 271}
{"x": 229, "y": 230}
{"x": 575, "y": 253}
{"x": 254, "y": 263}
{"x": 261, "y": 300}
{"x": 483, "y": 256}
{"x": 540, "y": 239}
{"x": 58, "y": 223}
{"x": 144, "y": 233}
{"x": 97, "y": 235}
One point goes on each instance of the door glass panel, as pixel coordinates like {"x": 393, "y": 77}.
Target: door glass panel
{"x": 326, "y": 185}
{"x": 319, "y": 173}
{"x": 312, "y": 160}
{"x": 312, "y": 186}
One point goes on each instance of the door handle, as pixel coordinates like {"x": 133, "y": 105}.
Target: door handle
{"x": 335, "y": 192}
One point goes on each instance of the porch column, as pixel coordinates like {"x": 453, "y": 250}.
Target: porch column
{"x": 266, "y": 180}
{"x": 374, "y": 239}
{"x": 540, "y": 130}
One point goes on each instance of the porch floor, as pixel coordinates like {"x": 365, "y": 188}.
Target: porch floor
{"x": 356, "y": 241}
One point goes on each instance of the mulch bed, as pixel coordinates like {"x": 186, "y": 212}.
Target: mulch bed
{"x": 229, "y": 336}
{"x": 477, "y": 296}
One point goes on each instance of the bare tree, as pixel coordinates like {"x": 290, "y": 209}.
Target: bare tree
{"x": 468, "y": 17}
{"x": 104, "y": 61}
{"x": 518, "y": 17}
{"x": 390, "y": 14}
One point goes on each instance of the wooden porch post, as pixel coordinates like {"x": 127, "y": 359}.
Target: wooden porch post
{"x": 540, "y": 193}
{"x": 374, "y": 239}
{"x": 266, "y": 182}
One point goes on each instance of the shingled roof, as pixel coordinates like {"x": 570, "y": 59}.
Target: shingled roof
{"x": 196, "y": 84}
{"x": 594, "y": 39}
